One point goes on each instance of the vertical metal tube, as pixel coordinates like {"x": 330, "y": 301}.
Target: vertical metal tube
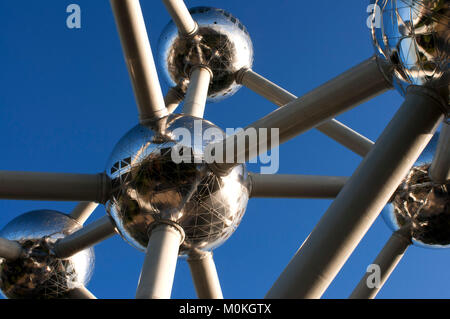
{"x": 10, "y": 250}
{"x": 85, "y": 237}
{"x": 181, "y": 17}
{"x": 139, "y": 59}
{"x": 80, "y": 293}
{"x": 346, "y": 221}
{"x": 82, "y": 211}
{"x": 197, "y": 93}
{"x": 204, "y": 275}
{"x": 440, "y": 167}
{"x": 160, "y": 262}
{"x": 387, "y": 260}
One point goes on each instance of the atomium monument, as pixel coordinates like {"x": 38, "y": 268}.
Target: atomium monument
{"x": 165, "y": 197}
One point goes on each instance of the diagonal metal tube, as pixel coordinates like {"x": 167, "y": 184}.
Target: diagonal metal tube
{"x": 316, "y": 107}
{"x": 204, "y": 275}
{"x": 387, "y": 260}
{"x": 160, "y": 262}
{"x": 10, "y": 250}
{"x": 82, "y": 211}
{"x": 330, "y": 244}
{"x": 295, "y": 186}
{"x": 173, "y": 98}
{"x": 85, "y": 237}
{"x": 54, "y": 186}
{"x": 334, "y": 129}
{"x": 181, "y": 17}
{"x": 440, "y": 167}
{"x": 139, "y": 59}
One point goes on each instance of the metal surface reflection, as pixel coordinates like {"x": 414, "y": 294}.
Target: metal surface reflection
{"x": 422, "y": 205}
{"x": 38, "y": 273}
{"x": 149, "y": 185}
{"x": 222, "y": 43}
{"x": 414, "y": 35}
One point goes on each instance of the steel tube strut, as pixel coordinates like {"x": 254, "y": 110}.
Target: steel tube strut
{"x": 295, "y": 186}
{"x": 54, "y": 186}
{"x": 173, "y": 98}
{"x": 181, "y": 17}
{"x": 82, "y": 211}
{"x": 204, "y": 275}
{"x": 85, "y": 237}
{"x": 139, "y": 59}
{"x": 160, "y": 262}
{"x": 346, "y": 221}
{"x": 10, "y": 250}
{"x": 440, "y": 167}
{"x": 332, "y": 98}
{"x": 387, "y": 260}
{"x": 279, "y": 96}
{"x": 81, "y": 293}
{"x": 195, "y": 101}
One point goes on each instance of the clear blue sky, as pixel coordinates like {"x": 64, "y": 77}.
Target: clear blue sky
{"x": 66, "y": 100}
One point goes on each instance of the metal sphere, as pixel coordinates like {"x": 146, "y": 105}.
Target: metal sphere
{"x": 422, "y": 205}
{"x": 38, "y": 273}
{"x": 222, "y": 43}
{"x": 149, "y": 185}
{"x": 414, "y": 35}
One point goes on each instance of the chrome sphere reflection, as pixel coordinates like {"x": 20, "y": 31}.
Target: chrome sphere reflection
{"x": 414, "y": 35}
{"x": 422, "y": 205}
{"x": 38, "y": 273}
{"x": 150, "y": 183}
{"x": 222, "y": 43}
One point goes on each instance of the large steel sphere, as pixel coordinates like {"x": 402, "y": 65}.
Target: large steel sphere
{"x": 422, "y": 205}
{"x": 38, "y": 273}
{"x": 414, "y": 35}
{"x": 149, "y": 185}
{"x": 222, "y": 43}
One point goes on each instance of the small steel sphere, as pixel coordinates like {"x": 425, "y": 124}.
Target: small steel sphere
{"x": 38, "y": 273}
{"x": 414, "y": 35}
{"x": 421, "y": 205}
{"x": 222, "y": 43}
{"x": 151, "y": 183}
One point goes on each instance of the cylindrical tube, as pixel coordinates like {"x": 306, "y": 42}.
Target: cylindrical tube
{"x": 85, "y": 237}
{"x": 181, "y": 17}
{"x": 351, "y": 214}
{"x": 332, "y": 128}
{"x": 204, "y": 275}
{"x": 386, "y": 261}
{"x": 160, "y": 262}
{"x": 440, "y": 167}
{"x": 197, "y": 93}
{"x": 173, "y": 98}
{"x": 54, "y": 186}
{"x": 139, "y": 59}
{"x": 332, "y": 98}
{"x": 10, "y": 250}
{"x": 82, "y": 211}
{"x": 295, "y": 186}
